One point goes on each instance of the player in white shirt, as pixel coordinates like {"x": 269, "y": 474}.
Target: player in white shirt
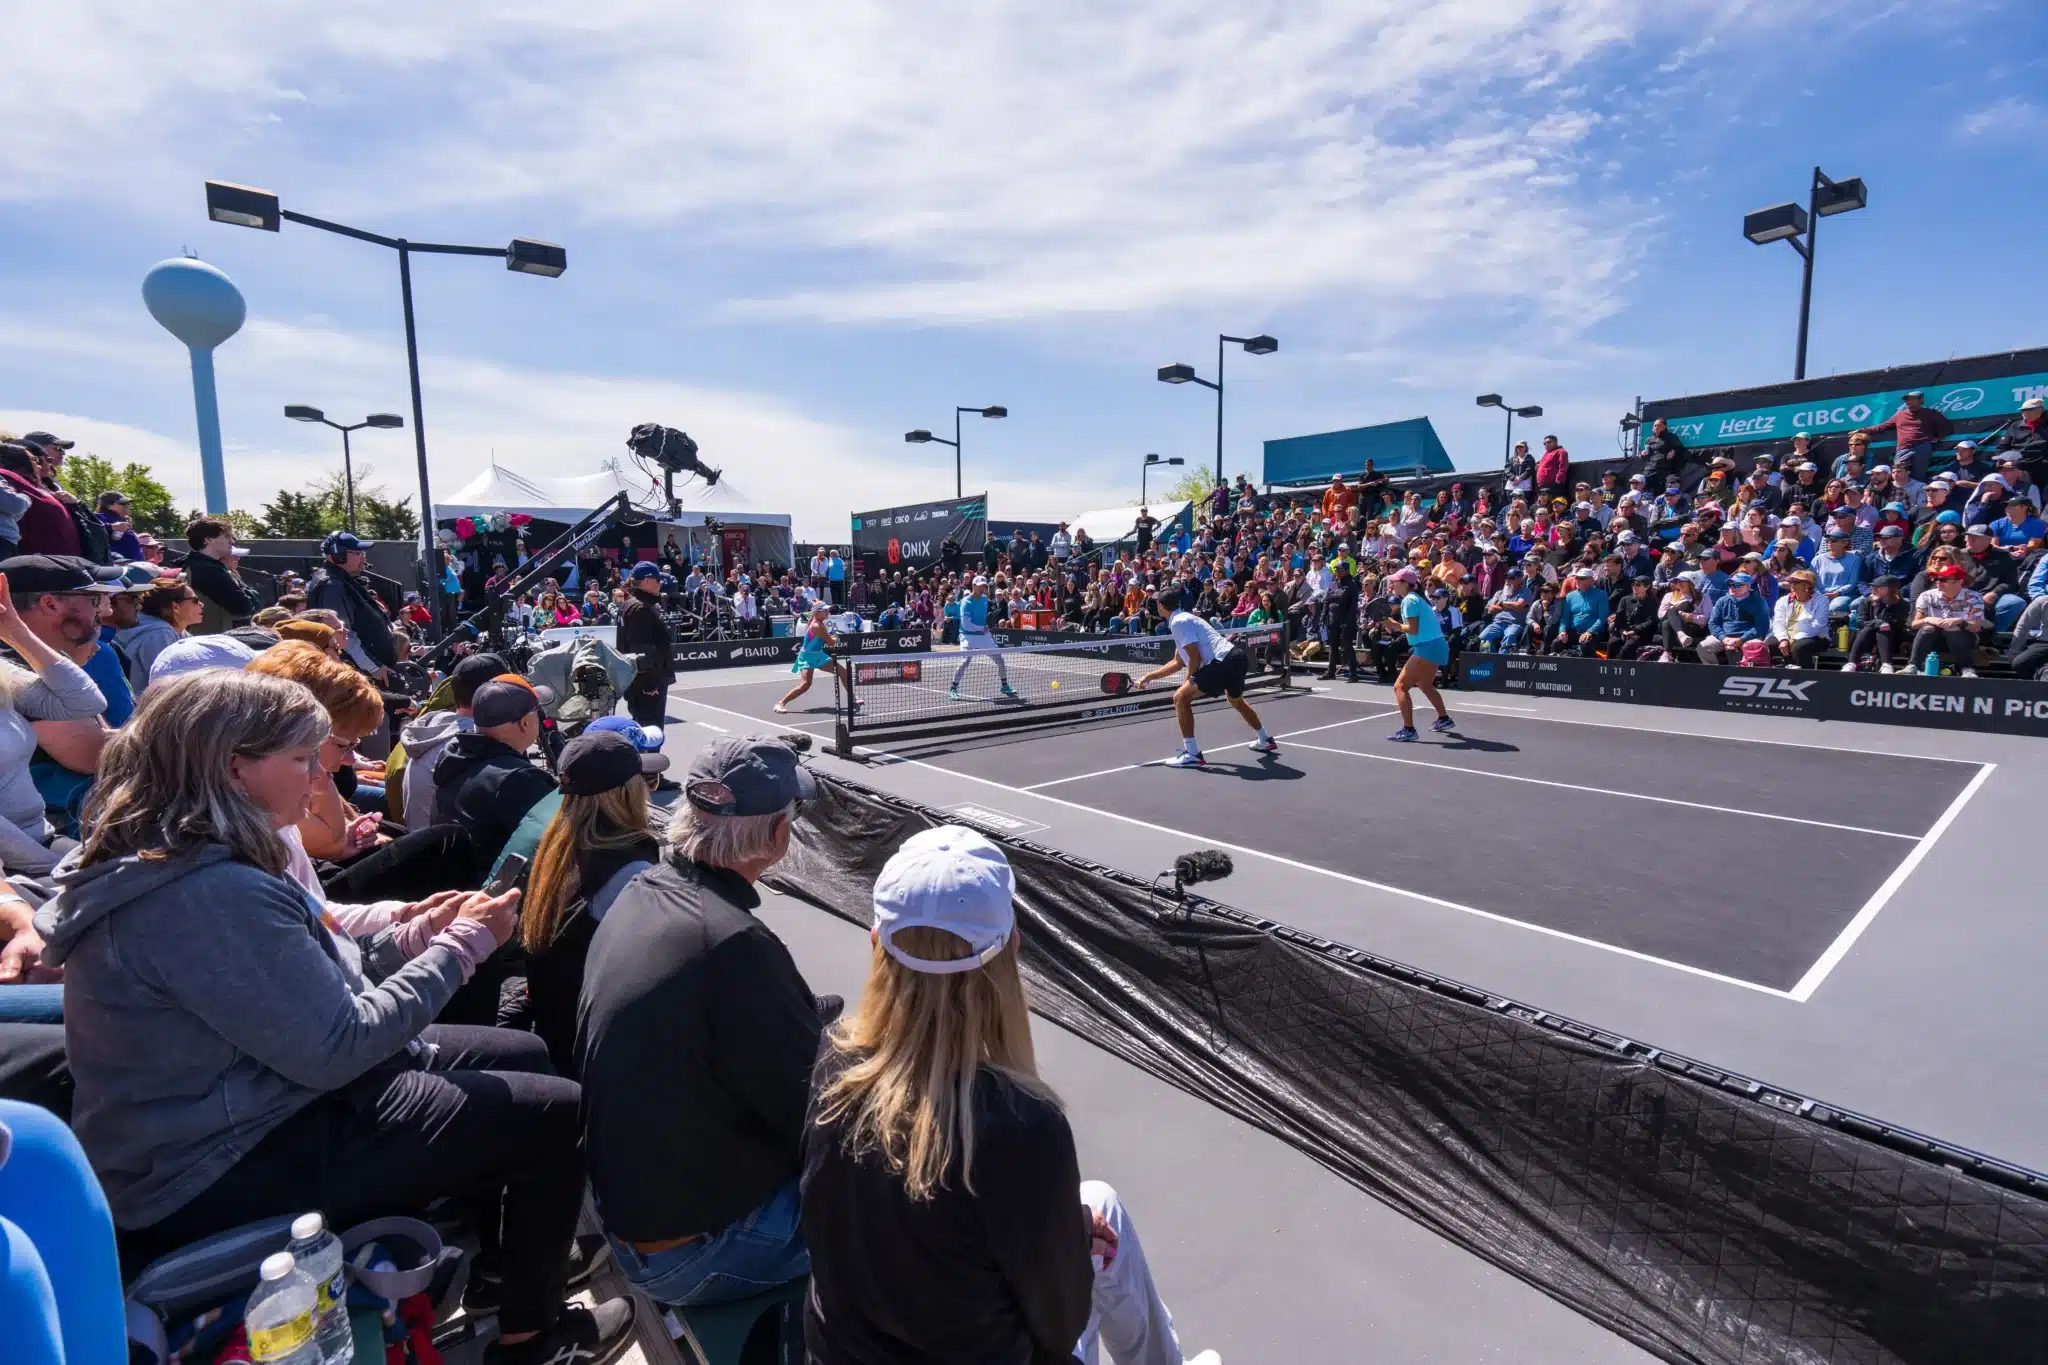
{"x": 1215, "y": 668}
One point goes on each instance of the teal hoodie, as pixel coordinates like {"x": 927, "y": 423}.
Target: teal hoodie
{"x": 204, "y": 1004}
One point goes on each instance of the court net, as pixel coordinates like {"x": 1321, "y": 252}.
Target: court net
{"x": 956, "y": 692}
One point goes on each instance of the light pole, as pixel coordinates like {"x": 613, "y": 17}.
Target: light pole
{"x": 1185, "y": 374}
{"x": 242, "y": 206}
{"x": 923, "y": 437}
{"x": 1146, "y": 468}
{"x": 1492, "y": 400}
{"x": 1788, "y": 222}
{"x": 299, "y": 412}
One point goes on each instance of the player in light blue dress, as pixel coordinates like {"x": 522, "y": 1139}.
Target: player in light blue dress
{"x": 811, "y": 656}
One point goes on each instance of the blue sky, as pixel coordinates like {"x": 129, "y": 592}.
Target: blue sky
{"x": 799, "y": 229}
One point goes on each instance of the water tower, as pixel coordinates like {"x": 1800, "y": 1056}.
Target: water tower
{"x": 201, "y": 307}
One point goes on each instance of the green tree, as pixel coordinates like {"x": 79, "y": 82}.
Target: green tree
{"x": 380, "y": 518}
{"x": 150, "y": 506}
{"x": 248, "y": 526}
{"x": 1192, "y": 486}
{"x": 297, "y": 516}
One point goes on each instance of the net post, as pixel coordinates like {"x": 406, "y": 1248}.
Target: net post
{"x": 1286, "y": 655}
{"x": 842, "y": 720}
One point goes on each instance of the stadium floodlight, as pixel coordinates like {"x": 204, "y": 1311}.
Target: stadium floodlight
{"x": 918, "y": 437}
{"x": 1177, "y": 373}
{"x": 246, "y": 206}
{"x": 1146, "y": 468}
{"x": 299, "y": 412}
{"x": 1494, "y": 400}
{"x": 1799, "y": 227}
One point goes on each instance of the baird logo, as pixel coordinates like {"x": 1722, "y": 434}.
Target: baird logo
{"x": 751, "y": 651}
{"x": 1766, "y": 689}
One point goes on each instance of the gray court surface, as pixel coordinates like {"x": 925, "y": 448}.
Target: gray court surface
{"x": 1846, "y": 910}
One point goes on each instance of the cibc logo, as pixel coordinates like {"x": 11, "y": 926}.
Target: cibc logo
{"x": 1766, "y": 689}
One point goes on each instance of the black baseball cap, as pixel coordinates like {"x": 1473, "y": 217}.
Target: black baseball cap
{"x": 747, "y": 776}
{"x": 598, "y": 761}
{"x": 506, "y": 700}
{"x": 472, "y": 673}
{"x": 44, "y": 438}
{"x": 30, "y": 574}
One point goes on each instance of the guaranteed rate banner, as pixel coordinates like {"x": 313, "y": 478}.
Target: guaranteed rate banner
{"x": 911, "y": 537}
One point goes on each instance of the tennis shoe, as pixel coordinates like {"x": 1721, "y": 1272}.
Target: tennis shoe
{"x": 1443, "y": 725}
{"x": 1404, "y": 735}
{"x": 953, "y": 692}
{"x": 1184, "y": 759}
{"x": 780, "y": 709}
{"x": 1009, "y": 691}
{"x": 1265, "y": 746}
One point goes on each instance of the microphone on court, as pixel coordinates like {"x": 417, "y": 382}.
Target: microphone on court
{"x": 1203, "y": 865}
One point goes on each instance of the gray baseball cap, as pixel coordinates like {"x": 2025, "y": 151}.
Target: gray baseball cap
{"x": 748, "y": 776}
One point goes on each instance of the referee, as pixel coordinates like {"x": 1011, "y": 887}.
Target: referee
{"x": 1216, "y": 668}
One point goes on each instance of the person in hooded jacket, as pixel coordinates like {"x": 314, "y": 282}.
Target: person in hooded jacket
{"x": 425, "y": 739}
{"x": 230, "y": 1057}
{"x": 483, "y": 780}
{"x": 644, "y": 633}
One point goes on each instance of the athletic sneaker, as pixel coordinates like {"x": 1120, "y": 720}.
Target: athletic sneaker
{"x": 1009, "y": 691}
{"x": 1184, "y": 759}
{"x": 1849, "y": 667}
{"x": 953, "y": 692}
{"x": 580, "y": 1336}
{"x": 1265, "y": 746}
{"x": 780, "y": 709}
{"x": 1443, "y": 725}
{"x": 1969, "y": 672}
{"x": 1405, "y": 735}
{"x": 1887, "y": 668}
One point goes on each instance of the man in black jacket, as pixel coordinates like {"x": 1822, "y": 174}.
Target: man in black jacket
{"x": 483, "y": 780}
{"x": 224, "y": 600}
{"x": 644, "y": 634}
{"x": 1340, "y": 623}
{"x": 338, "y": 587}
{"x": 695, "y": 1037}
{"x": 1663, "y": 454}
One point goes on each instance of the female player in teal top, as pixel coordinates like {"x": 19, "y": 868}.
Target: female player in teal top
{"x": 1430, "y": 652}
{"x": 974, "y": 636}
{"x": 811, "y": 656}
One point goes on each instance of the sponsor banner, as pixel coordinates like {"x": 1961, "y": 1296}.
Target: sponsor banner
{"x": 697, "y": 654}
{"x": 1988, "y": 705}
{"x": 1821, "y": 413}
{"x": 909, "y": 537}
{"x": 893, "y": 671}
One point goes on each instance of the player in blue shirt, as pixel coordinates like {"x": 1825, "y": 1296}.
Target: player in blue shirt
{"x": 974, "y": 636}
{"x": 1430, "y": 651}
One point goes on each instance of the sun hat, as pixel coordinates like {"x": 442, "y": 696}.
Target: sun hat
{"x": 949, "y": 878}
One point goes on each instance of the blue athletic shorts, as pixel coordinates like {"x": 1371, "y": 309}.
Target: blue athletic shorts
{"x": 1436, "y": 651}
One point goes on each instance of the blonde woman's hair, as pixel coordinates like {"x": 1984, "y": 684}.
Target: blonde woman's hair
{"x": 723, "y": 840}
{"x": 912, "y": 1052}
{"x": 613, "y": 819}
{"x": 164, "y": 788}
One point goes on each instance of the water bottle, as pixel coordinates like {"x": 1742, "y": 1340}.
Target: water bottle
{"x": 1931, "y": 665}
{"x": 318, "y": 1253}
{"x": 280, "y": 1315}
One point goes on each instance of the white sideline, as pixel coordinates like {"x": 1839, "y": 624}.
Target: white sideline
{"x": 1803, "y": 990}
{"x": 1155, "y": 762}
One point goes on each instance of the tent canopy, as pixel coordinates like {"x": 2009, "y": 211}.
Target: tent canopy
{"x": 498, "y": 489}
{"x": 1114, "y": 524}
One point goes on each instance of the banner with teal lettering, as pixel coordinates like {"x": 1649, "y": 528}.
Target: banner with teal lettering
{"x": 1974, "y": 398}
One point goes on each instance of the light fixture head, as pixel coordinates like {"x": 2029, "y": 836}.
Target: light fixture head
{"x": 1489, "y": 400}
{"x": 299, "y": 412}
{"x": 529, "y": 257}
{"x": 995, "y": 410}
{"x": 1176, "y": 374}
{"x": 1831, "y": 197}
{"x": 1630, "y": 422}
{"x": 384, "y": 419}
{"x": 1261, "y": 344}
{"x": 918, "y": 437}
{"x": 1176, "y": 460}
{"x": 1533, "y": 410}
{"x": 1774, "y": 224}
{"x": 1155, "y": 459}
{"x": 241, "y": 205}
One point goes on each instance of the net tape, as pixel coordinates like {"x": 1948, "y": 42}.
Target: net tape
{"x": 1063, "y": 680}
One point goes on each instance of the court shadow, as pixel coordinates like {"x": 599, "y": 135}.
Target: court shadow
{"x": 1265, "y": 769}
{"x": 1461, "y": 743}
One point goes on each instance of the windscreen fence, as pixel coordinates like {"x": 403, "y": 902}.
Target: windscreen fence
{"x": 956, "y": 693}
{"x": 1702, "y": 1215}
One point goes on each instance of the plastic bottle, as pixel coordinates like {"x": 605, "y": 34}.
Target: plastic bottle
{"x": 318, "y": 1253}
{"x": 280, "y": 1315}
{"x": 1931, "y": 665}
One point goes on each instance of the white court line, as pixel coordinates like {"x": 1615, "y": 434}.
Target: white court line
{"x": 1844, "y": 941}
{"x": 709, "y": 726}
{"x": 778, "y": 722}
{"x": 1345, "y": 877}
{"x": 1607, "y": 791}
{"x": 1157, "y": 762}
{"x": 1520, "y": 713}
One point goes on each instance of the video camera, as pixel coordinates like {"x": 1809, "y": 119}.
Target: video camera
{"x": 672, "y": 450}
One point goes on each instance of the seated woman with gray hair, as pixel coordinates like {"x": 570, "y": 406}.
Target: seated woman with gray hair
{"x": 231, "y": 1059}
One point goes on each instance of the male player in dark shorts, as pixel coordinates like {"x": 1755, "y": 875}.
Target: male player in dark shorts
{"x": 1215, "y": 668}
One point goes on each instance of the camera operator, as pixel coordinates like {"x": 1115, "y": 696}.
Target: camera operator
{"x": 1340, "y": 624}
{"x": 643, "y": 633}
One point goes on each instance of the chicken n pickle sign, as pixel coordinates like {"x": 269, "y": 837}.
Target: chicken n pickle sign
{"x": 1822, "y": 417}
{"x": 2007, "y": 706}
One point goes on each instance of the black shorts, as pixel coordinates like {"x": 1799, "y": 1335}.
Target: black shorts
{"x": 1223, "y": 675}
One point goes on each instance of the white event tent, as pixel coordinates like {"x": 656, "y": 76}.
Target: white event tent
{"x": 498, "y": 489}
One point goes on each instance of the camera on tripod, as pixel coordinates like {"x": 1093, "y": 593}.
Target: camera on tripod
{"x": 672, "y": 450}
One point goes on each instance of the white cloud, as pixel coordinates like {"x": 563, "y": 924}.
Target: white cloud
{"x": 777, "y": 459}
{"x": 952, "y": 164}
{"x": 2011, "y": 117}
